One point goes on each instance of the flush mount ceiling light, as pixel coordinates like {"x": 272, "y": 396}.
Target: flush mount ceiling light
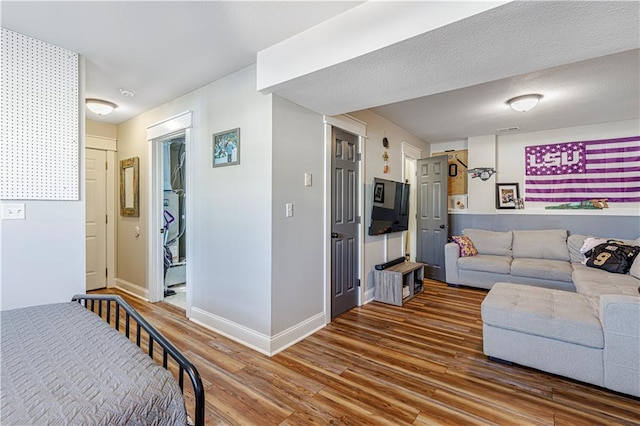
{"x": 524, "y": 103}
{"x": 100, "y": 107}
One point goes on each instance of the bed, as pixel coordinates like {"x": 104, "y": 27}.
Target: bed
{"x": 77, "y": 363}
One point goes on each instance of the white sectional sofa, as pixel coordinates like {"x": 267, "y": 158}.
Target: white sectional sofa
{"x": 548, "y": 311}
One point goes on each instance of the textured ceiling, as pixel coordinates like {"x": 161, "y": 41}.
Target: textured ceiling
{"x": 520, "y": 46}
{"x": 161, "y": 49}
{"x": 593, "y": 91}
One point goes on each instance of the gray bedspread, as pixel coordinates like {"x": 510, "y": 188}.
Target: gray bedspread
{"x": 62, "y": 364}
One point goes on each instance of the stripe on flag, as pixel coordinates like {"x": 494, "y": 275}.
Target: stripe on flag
{"x": 584, "y": 170}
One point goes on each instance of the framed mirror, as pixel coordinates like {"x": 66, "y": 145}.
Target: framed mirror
{"x": 129, "y": 198}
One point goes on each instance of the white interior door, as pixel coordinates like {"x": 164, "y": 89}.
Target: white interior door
{"x": 96, "y": 214}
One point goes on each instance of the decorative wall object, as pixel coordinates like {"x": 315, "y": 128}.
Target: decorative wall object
{"x": 385, "y": 158}
{"x": 129, "y": 188}
{"x": 507, "y": 195}
{"x": 39, "y": 150}
{"x": 582, "y": 170}
{"x": 484, "y": 173}
{"x": 378, "y": 193}
{"x": 226, "y": 148}
{"x": 595, "y": 204}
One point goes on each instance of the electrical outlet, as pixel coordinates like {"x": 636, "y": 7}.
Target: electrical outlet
{"x": 13, "y": 211}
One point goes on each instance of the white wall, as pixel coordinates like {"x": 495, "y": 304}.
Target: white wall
{"x": 482, "y": 153}
{"x": 297, "y": 286}
{"x": 42, "y": 256}
{"x": 231, "y": 243}
{"x": 382, "y": 248}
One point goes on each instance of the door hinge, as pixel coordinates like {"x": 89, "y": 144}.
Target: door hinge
{"x": 106, "y": 272}
{"x": 358, "y": 219}
{"x": 358, "y": 282}
{"x": 359, "y": 156}
{"x": 106, "y": 165}
{"x": 106, "y": 218}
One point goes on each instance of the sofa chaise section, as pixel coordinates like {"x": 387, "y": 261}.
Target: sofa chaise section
{"x": 566, "y": 333}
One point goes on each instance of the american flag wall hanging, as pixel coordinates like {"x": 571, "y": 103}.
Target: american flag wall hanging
{"x": 584, "y": 170}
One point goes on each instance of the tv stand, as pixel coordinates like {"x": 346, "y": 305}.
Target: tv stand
{"x": 399, "y": 283}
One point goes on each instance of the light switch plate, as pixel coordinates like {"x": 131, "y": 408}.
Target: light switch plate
{"x": 13, "y": 211}
{"x": 307, "y": 179}
{"x": 289, "y": 209}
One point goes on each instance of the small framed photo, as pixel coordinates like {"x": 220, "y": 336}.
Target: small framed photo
{"x": 226, "y": 148}
{"x": 378, "y": 192}
{"x": 507, "y": 195}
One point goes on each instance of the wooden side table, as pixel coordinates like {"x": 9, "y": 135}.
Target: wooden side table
{"x": 399, "y": 283}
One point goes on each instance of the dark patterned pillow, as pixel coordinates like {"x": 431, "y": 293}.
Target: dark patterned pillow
{"x": 612, "y": 256}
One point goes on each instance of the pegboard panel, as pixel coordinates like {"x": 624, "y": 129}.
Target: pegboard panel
{"x": 39, "y": 152}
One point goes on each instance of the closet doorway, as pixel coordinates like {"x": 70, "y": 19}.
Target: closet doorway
{"x": 174, "y": 223}
{"x": 170, "y": 211}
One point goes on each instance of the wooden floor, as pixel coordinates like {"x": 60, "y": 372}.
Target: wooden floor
{"x": 421, "y": 364}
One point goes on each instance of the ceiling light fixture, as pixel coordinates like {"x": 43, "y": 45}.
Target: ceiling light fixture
{"x": 524, "y": 103}
{"x": 100, "y": 107}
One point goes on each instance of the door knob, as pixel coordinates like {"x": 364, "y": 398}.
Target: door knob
{"x": 335, "y": 235}
{"x": 442, "y": 226}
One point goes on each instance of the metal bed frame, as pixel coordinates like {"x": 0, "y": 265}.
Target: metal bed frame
{"x": 168, "y": 349}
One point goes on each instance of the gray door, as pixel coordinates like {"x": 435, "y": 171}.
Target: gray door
{"x": 344, "y": 222}
{"x": 433, "y": 221}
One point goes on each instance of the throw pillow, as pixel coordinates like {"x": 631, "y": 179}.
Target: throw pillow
{"x": 634, "y": 271}
{"x": 612, "y": 256}
{"x": 590, "y": 243}
{"x": 466, "y": 246}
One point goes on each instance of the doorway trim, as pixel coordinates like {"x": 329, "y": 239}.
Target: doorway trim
{"x": 412, "y": 153}
{"x": 358, "y": 128}
{"x": 156, "y": 133}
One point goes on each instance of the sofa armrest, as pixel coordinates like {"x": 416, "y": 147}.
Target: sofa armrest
{"x": 451, "y": 255}
{"x": 620, "y": 317}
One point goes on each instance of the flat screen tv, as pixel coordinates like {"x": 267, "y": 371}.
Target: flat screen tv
{"x": 390, "y": 207}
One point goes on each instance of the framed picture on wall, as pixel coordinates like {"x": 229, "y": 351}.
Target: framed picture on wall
{"x": 378, "y": 193}
{"x": 226, "y": 148}
{"x": 507, "y": 195}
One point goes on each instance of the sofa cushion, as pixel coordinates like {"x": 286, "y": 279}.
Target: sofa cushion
{"x": 486, "y": 263}
{"x": 490, "y": 242}
{"x": 574, "y": 244}
{"x": 596, "y": 282}
{"x": 546, "y": 269}
{"x": 544, "y": 312}
{"x": 544, "y": 244}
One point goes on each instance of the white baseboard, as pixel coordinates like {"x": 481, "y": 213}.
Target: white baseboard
{"x": 257, "y": 341}
{"x": 236, "y": 332}
{"x": 369, "y": 295}
{"x": 293, "y": 335}
{"x": 132, "y": 289}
